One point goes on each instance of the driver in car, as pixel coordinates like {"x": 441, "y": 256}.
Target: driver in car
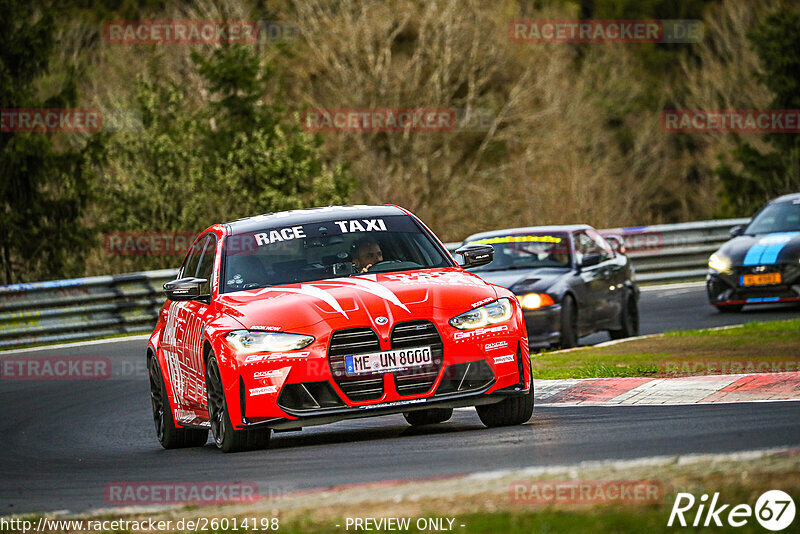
{"x": 365, "y": 253}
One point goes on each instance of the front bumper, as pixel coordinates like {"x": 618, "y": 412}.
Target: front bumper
{"x": 326, "y": 416}
{"x": 543, "y": 325}
{"x": 728, "y": 289}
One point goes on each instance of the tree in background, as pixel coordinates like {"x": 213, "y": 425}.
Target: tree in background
{"x": 44, "y": 190}
{"x": 759, "y": 176}
{"x": 191, "y": 166}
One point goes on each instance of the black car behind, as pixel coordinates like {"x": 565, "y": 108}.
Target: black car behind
{"x": 569, "y": 280}
{"x": 761, "y": 264}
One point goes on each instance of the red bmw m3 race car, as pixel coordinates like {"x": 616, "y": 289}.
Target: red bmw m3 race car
{"x": 307, "y": 317}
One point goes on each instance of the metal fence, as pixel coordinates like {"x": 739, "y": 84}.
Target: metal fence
{"x": 64, "y": 310}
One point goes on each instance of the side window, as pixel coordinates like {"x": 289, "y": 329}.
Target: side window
{"x": 189, "y": 267}
{"x": 607, "y": 250}
{"x": 585, "y": 244}
{"x": 206, "y": 267}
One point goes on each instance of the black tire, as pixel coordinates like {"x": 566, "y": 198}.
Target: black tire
{"x": 227, "y": 438}
{"x": 431, "y": 416}
{"x": 569, "y": 323}
{"x": 508, "y": 412}
{"x": 167, "y": 433}
{"x": 730, "y": 308}
{"x": 629, "y": 320}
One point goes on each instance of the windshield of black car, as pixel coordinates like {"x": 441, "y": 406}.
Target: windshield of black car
{"x": 527, "y": 251}
{"x": 781, "y": 217}
{"x": 297, "y": 253}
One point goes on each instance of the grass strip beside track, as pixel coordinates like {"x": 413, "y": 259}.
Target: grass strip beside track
{"x": 750, "y": 348}
{"x": 485, "y": 504}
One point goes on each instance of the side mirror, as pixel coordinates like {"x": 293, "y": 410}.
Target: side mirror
{"x": 737, "y": 230}
{"x": 616, "y": 242}
{"x": 185, "y": 289}
{"x": 590, "y": 260}
{"x": 476, "y": 255}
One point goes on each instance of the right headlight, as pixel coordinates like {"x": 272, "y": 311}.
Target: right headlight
{"x": 719, "y": 263}
{"x": 495, "y": 312}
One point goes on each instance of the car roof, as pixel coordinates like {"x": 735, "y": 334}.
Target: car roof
{"x": 786, "y": 198}
{"x": 570, "y": 228}
{"x": 311, "y": 215}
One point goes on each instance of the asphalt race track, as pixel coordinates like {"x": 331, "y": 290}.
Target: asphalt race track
{"x": 65, "y": 440}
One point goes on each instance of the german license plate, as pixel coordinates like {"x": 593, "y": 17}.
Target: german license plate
{"x": 387, "y": 361}
{"x": 765, "y": 279}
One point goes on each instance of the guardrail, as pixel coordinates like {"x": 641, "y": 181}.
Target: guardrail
{"x": 66, "y": 310}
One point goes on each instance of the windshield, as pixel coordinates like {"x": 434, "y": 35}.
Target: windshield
{"x": 527, "y": 251}
{"x": 781, "y": 217}
{"x": 330, "y": 249}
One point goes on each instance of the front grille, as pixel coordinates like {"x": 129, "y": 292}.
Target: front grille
{"x": 309, "y": 396}
{"x": 355, "y": 341}
{"x": 417, "y": 334}
{"x": 464, "y": 377}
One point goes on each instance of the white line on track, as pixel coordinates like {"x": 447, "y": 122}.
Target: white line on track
{"x": 77, "y": 344}
{"x": 672, "y": 287}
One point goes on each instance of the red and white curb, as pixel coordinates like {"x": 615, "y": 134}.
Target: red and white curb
{"x": 682, "y": 390}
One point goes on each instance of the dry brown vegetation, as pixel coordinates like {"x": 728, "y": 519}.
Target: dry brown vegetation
{"x": 575, "y": 135}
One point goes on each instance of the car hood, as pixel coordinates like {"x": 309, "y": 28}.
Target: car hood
{"x": 762, "y": 249}
{"x": 524, "y": 280}
{"x": 358, "y": 300}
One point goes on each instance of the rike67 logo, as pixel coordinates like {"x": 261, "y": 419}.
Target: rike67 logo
{"x": 774, "y": 510}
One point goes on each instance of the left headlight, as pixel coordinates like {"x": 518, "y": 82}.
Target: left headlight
{"x": 248, "y": 342}
{"x": 498, "y": 311}
{"x": 719, "y": 263}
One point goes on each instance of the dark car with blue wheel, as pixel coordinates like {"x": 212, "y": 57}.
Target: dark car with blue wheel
{"x": 569, "y": 280}
{"x": 761, "y": 264}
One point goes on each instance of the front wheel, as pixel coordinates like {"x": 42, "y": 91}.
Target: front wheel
{"x": 629, "y": 320}
{"x": 431, "y": 416}
{"x": 569, "y": 323}
{"x": 226, "y": 437}
{"x": 507, "y": 412}
{"x": 170, "y": 436}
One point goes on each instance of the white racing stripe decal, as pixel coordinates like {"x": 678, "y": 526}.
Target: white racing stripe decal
{"x": 311, "y": 290}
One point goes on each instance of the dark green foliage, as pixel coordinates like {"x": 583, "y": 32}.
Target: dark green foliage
{"x": 759, "y": 176}
{"x": 43, "y": 189}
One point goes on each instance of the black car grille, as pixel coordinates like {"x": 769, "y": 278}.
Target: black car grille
{"x": 355, "y": 341}
{"x": 309, "y": 396}
{"x": 417, "y": 334}
{"x": 370, "y": 386}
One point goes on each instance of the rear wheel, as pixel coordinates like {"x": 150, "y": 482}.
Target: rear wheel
{"x": 730, "y": 308}
{"x": 629, "y": 320}
{"x": 226, "y": 437}
{"x": 569, "y": 323}
{"x": 431, "y": 416}
{"x": 168, "y": 434}
{"x": 511, "y": 411}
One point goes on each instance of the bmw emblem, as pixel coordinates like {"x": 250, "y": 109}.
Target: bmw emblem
{"x": 381, "y": 320}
